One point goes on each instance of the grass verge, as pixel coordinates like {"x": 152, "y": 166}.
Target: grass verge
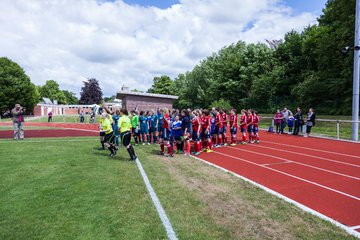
{"x": 66, "y": 189}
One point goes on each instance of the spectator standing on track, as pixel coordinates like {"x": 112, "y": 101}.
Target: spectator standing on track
{"x": 310, "y": 121}
{"x": 82, "y": 116}
{"x": 298, "y": 120}
{"x": 286, "y": 113}
{"x": 18, "y": 121}
{"x": 50, "y": 114}
{"x": 290, "y": 123}
{"x": 278, "y": 119}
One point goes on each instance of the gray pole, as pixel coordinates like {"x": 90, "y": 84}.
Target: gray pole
{"x": 355, "y": 105}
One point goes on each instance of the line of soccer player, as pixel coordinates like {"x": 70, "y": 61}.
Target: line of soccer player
{"x": 205, "y": 128}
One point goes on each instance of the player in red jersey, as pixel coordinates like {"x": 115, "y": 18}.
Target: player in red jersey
{"x": 233, "y": 126}
{"x": 225, "y": 119}
{"x": 218, "y": 127}
{"x": 256, "y": 126}
{"x": 205, "y": 133}
{"x": 196, "y": 127}
{"x": 243, "y": 125}
{"x": 165, "y": 138}
{"x": 250, "y": 125}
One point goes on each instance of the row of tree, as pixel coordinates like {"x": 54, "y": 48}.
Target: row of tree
{"x": 305, "y": 68}
{"x": 16, "y": 87}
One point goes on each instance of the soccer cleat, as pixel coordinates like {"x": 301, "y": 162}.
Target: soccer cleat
{"x": 170, "y": 155}
{"x": 161, "y": 153}
{"x": 252, "y": 141}
{"x": 209, "y": 151}
{"x": 243, "y": 143}
{"x": 197, "y": 153}
{"x": 233, "y": 144}
{"x": 143, "y": 144}
{"x": 148, "y": 143}
{"x": 225, "y": 144}
{"x": 205, "y": 150}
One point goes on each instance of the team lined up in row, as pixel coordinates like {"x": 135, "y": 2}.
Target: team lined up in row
{"x": 206, "y": 128}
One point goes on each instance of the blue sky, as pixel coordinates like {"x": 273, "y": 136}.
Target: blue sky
{"x": 314, "y": 6}
{"x": 122, "y": 44}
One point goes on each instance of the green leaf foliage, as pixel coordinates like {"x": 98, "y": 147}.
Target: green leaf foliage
{"x": 15, "y": 86}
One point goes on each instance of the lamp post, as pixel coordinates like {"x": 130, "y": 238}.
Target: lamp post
{"x": 355, "y": 103}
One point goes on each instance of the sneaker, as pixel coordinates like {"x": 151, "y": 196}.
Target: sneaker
{"x": 243, "y": 143}
{"x": 148, "y": 143}
{"x": 112, "y": 154}
{"x": 210, "y": 151}
{"x": 233, "y": 144}
{"x": 161, "y": 153}
{"x": 143, "y": 144}
{"x": 252, "y": 141}
{"x": 306, "y": 136}
{"x": 197, "y": 153}
{"x": 257, "y": 141}
{"x": 225, "y": 144}
{"x": 136, "y": 144}
{"x": 170, "y": 155}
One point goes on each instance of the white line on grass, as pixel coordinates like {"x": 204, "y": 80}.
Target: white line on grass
{"x": 164, "y": 219}
{"x": 283, "y": 197}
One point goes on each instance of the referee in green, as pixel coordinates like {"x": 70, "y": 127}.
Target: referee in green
{"x": 125, "y": 134}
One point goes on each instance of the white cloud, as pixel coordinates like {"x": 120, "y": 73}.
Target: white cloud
{"x": 117, "y": 43}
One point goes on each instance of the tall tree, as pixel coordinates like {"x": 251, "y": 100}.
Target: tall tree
{"x": 52, "y": 90}
{"x": 91, "y": 92}
{"x": 162, "y": 85}
{"x": 15, "y": 86}
{"x": 70, "y": 97}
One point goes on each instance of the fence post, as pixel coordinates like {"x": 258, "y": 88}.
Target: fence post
{"x": 337, "y": 129}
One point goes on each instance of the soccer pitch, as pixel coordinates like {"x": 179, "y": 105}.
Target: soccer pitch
{"x": 63, "y": 188}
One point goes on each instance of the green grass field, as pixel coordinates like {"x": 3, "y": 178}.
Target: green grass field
{"x": 66, "y": 189}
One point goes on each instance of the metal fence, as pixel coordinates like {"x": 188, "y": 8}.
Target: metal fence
{"x": 328, "y": 128}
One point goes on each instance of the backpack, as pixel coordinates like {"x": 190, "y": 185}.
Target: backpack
{"x": 271, "y": 129}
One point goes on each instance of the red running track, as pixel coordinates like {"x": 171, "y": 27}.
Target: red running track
{"x": 67, "y": 130}
{"x": 321, "y": 174}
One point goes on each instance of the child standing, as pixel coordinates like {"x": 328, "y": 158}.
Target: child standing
{"x": 291, "y": 123}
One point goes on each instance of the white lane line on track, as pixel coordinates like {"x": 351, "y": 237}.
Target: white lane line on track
{"x": 278, "y": 163}
{"x": 290, "y": 175}
{"x": 289, "y": 200}
{"x": 290, "y": 161}
{"x": 313, "y": 149}
{"x": 164, "y": 219}
{"x": 308, "y": 155}
{"x": 355, "y": 227}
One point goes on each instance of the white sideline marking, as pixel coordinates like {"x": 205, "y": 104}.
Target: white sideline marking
{"x": 313, "y": 149}
{"x": 164, "y": 219}
{"x": 293, "y": 176}
{"x": 290, "y": 161}
{"x": 355, "y": 227}
{"x": 283, "y": 197}
{"x": 308, "y": 155}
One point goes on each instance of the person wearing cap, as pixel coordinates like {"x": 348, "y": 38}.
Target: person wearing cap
{"x": 18, "y": 121}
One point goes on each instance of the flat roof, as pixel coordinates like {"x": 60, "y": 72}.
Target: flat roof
{"x": 141, "y": 94}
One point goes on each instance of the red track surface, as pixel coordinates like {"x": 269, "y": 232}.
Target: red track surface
{"x": 321, "y": 174}
{"x": 68, "y": 130}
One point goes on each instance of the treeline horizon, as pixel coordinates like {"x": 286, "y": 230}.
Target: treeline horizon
{"x": 306, "y": 69}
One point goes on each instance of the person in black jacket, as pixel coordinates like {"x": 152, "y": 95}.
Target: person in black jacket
{"x": 298, "y": 119}
{"x": 310, "y": 121}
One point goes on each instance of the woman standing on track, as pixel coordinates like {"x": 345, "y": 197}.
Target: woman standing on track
{"x": 125, "y": 134}
{"x": 310, "y": 121}
{"x": 298, "y": 119}
{"x": 278, "y": 119}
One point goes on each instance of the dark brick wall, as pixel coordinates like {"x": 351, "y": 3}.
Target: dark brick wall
{"x": 146, "y": 103}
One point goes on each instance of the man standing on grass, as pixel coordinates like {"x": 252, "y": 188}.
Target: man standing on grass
{"x": 18, "y": 121}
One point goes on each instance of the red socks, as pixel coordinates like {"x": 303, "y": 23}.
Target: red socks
{"x": 244, "y": 138}
{"x": 219, "y": 140}
{"x": 162, "y": 147}
{"x": 170, "y": 150}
